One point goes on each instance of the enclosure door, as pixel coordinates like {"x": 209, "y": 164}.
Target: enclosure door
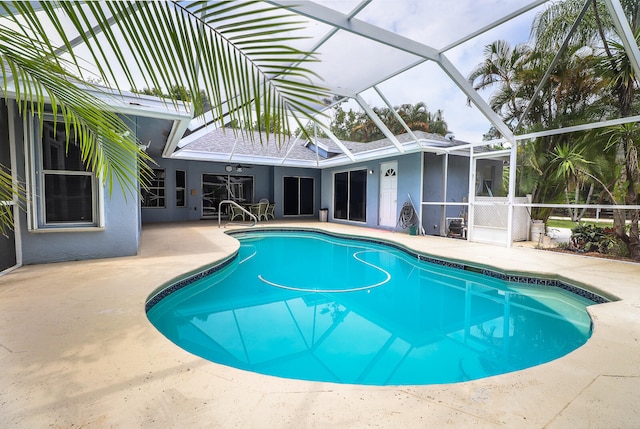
{"x": 388, "y": 193}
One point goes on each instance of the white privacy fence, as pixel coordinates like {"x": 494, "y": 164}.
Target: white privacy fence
{"x": 489, "y": 219}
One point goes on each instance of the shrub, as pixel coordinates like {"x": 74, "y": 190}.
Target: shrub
{"x": 590, "y": 238}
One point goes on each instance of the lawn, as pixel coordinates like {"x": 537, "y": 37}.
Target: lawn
{"x": 566, "y": 223}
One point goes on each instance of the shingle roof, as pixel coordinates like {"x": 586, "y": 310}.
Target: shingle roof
{"x": 230, "y": 143}
{"x": 358, "y": 147}
{"x": 227, "y": 141}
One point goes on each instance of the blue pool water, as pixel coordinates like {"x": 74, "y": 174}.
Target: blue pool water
{"x": 314, "y": 307}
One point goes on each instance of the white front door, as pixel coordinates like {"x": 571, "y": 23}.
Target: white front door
{"x": 388, "y": 194}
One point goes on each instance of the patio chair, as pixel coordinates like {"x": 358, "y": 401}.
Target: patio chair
{"x": 260, "y": 209}
{"x": 235, "y": 212}
{"x": 270, "y": 213}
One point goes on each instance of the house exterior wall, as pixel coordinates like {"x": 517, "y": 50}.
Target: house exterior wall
{"x": 267, "y": 184}
{"x": 408, "y": 173}
{"x": 119, "y": 237}
{"x": 279, "y": 173}
{"x": 171, "y": 213}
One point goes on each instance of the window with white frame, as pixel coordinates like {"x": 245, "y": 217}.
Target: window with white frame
{"x": 154, "y": 195}
{"x": 69, "y": 192}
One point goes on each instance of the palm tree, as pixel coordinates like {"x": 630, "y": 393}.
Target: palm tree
{"x": 238, "y": 52}
{"x": 416, "y": 116}
{"x": 615, "y": 68}
{"x": 357, "y": 126}
{"x": 625, "y": 140}
{"x": 502, "y": 67}
{"x": 568, "y": 94}
{"x": 571, "y": 164}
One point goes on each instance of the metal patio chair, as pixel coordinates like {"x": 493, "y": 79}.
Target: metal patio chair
{"x": 270, "y": 213}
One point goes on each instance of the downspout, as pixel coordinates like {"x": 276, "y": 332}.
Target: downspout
{"x": 422, "y": 231}
{"x": 512, "y": 191}
{"x": 13, "y": 164}
{"x": 445, "y": 182}
{"x": 315, "y": 143}
{"x": 472, "y": 194}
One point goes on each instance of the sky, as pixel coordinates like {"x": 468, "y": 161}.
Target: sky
{"x": 350, "y": 61}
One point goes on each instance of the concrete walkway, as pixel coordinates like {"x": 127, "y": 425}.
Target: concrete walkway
{"x": 76, "y": 350}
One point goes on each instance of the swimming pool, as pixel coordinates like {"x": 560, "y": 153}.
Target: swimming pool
{"x": 318, "y": 307}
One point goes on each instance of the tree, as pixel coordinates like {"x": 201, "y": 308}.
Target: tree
{"x": 177, "y": 92}
{"x": 625, "y": 139}
{"x": 418, "y": 118}
{"x": 570, "y": 163}
{"x": 357, "y": 126}
{"x": 264, "y": 124}
{"x": 503, "y": 68}
{"x": 343, "y": 122}
{"x": 614, "y": 66}
{"x": 566, "y": 98}
{"x": 235, "y": 48}
{"x": 592, "y": 80}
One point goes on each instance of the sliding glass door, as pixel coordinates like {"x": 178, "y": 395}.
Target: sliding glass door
{"x": 219, "y": 187}
{"x": 350, "y": 195}
{"x": 298, "y": 196}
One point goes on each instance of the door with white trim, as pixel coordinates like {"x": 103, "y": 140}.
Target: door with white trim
{"x": 388, "y": 194}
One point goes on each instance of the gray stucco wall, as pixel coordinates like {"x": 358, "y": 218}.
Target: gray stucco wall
{"x": 267, "y": 184}
{"x": 120, "y": 236}
{"x": 278, "y": 183}
{"x": 408, "y": 173}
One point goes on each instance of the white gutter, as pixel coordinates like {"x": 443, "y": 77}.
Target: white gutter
{"x": 128, "y": 103}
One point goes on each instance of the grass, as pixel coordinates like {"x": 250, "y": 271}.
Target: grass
{"x": 566, "y": 223}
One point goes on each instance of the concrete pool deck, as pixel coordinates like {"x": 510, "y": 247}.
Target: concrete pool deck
{"x": 76, "y": 350}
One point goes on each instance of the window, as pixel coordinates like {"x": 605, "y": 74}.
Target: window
{"x": 154, "y": 195}
{"x": 298, "y": 195}
{"x": 350, "y": 195}
{"x": 181, "y": 188}
{"x": 69, "y": 191}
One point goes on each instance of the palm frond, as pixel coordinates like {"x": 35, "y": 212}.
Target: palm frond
{"x": 194, "y": 46}
{"x": 236, "y": 52}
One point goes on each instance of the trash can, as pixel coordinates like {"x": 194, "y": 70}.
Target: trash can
{"x": 413, "y": 230}
{"x": 324, "y": 215}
